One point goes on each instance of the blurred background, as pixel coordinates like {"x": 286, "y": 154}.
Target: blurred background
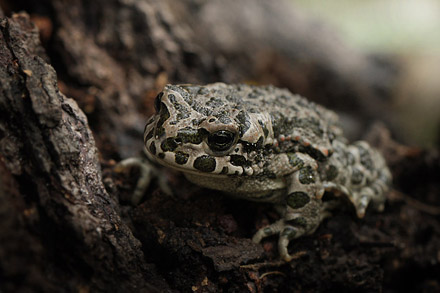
{"x": 407, "y": 31}
{"x": 374, "y": 60}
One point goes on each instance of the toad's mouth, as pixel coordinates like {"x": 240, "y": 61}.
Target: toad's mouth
{"x": 188, "y": 170}
{"x": 203, "y": 165}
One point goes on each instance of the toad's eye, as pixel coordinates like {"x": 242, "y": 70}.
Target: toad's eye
{"x": 221, "y": 140}
{"x": 158, "y": 101}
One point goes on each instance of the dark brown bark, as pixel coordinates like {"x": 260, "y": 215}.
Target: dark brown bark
{"x": 48, "y": 152}
{"x": 64, "y": 221}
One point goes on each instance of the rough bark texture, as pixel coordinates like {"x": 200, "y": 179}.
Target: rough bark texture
{"x": 65, "y": 224}
{"x": 49, "y": 153}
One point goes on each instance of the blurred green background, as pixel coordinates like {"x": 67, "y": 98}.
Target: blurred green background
{"x": 407, "y": 31}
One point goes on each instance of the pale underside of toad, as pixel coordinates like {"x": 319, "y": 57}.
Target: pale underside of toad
{"x": 265, "y": 144}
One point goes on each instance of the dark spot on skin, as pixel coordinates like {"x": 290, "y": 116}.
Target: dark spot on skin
{"x": 268, "y": 149}
{"x": 149, "y": 122}
{"x": 244, "y": 120}
{"x": 161, "y": 155}
{"x": 280, "y": 124}
{"x": 152, "y": 148}
{"x": 289, "y": 232}
{"x": 223, "y": 118}
{"x": 183, "y": 114}
{"x": 247, "y": 146}
{"x": 182, "y": 111}
{"x": 149, "y": 135}
{"x": 158, "y": 101}
{"x": 183, "y": 92}
{"x": 258, "y": 158}
{"x": 365, "y": 158}
{"x": 238, "y": 160}
{"x": 164, "y": 114}
{"x": 294, "y": 160}
{"x": 331, "y": 172}
{"x": 299, "y": 222}
{"x": 233, "y": 98}
{"x": 191, "y": 135}
{"x": 297, "y": 199}
{"x": 224, "y": 170}
{"x": 310, "y": 124}
{"x": 172, "y": 98}
{"x": 205, "y": 163}
{"x": 202, "y": 110}
{"x": 313, "y": 152}
{"x": 181, "y": 158}
{"x": 356, "y": 176}
{"x": 169, "y": 144}
{"x": 250, "y": 147}
{"x": 214, "y": 102}
{"x": 197, "y": 122}
{"x": 306, "y": 175}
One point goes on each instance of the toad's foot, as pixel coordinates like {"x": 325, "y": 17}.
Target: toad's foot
{"x": 147, "y": 173}
{"x": 286, "y": 232}
{"x": 294, "y": 228}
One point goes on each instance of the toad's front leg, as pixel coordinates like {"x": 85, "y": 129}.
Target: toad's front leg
{"x": 302, "y": 210}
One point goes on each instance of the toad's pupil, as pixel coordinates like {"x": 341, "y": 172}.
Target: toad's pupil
{"x": 220, "y": 140}
{"x": 221, "y": 137}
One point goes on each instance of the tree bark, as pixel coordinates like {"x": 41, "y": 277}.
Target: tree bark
{"x": 49, "y": 153}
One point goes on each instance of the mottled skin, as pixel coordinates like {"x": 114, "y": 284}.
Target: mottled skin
{"x": 265, "y": 144}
